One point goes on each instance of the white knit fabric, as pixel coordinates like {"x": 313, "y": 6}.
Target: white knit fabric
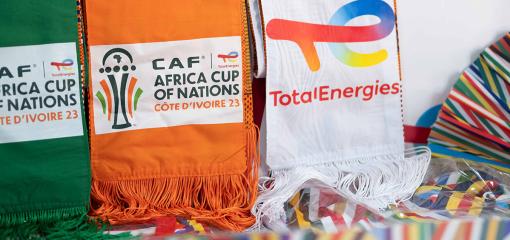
{"x": 341, "y": 122}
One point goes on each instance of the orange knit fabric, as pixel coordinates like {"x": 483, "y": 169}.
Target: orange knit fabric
{"x": 204, "y": 171}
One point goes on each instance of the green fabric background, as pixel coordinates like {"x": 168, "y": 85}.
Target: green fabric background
{"x": 45, "y": 174}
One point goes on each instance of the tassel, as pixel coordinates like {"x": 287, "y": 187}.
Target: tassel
{"x": 223, "y": 201}
{"x": 70, "y": 223}
{"x": 374, "y": 181}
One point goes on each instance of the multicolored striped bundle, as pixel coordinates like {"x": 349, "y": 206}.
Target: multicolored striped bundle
{"x": 474, "y": 122}
{"x": 463, "y": 194}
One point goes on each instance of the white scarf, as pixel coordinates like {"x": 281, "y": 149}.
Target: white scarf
{"x": 333, "y": 110}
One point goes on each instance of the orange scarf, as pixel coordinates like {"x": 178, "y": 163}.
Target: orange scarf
{"x": 171, "y": 111}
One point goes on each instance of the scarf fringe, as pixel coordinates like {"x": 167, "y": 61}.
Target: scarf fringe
{"x": 374, "y": 181}
{"x": 69, "y": 223}
{"x": 224, "y": 201}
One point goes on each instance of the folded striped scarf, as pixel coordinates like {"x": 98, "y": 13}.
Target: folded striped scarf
{"x": 171, "y": 111}
{"x": 333, "y": 110}
{"x": 474, "y": 121}
{"x": 426, "y": 79}
{"x": 45, "y": 183}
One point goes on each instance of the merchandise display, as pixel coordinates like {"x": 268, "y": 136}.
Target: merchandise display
{"x": 318, "y": 211}
{"x": 451, "y": 190}
{"x": 254, "y": 119}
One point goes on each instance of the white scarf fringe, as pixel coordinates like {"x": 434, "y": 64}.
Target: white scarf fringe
{"x": 375, "y": 181}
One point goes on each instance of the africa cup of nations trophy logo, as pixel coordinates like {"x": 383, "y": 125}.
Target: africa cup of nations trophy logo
{"x": 117, "y": 95}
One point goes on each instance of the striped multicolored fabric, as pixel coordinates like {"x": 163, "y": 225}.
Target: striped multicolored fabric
{"x": 459, "y": 193}
{"x": 479, "y": 228}
{"x": 322, "y": 209}
{"x": 474, "y": 122}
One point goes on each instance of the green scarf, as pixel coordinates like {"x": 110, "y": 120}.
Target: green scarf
{"x": 45, "y": 169}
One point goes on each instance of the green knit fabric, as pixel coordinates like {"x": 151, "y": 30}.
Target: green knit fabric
{"x": 44, "y": 183}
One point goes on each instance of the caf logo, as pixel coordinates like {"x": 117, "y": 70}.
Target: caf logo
{"x": 118, "y": 96}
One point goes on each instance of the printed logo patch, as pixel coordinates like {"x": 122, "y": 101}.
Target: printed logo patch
{"x": 118, "y": 97}
{"x": 165, "y": 84}
{"x": 337, "y": 34}
{"x": 230, "y": 57}
{"x": 39, "y": 93}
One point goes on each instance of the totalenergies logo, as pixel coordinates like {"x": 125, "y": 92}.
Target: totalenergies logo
{"x": 336, "y": 34}
{"x": 119, "y": 96}
{"x": 231, "y": 57}
{"x": 65, "y": 65}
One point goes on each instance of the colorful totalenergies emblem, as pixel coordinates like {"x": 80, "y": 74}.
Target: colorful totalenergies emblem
{"x": 230, "y": 57}
{"x": 66, "y": 65}
{"x": 119, "y": 93}
{"x": 336, "y": 34}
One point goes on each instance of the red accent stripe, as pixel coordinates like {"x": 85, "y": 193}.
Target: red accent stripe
{"x": 465, "y": 204}
{"x": 440, "y": 231}
{"x": 406, "y": 232}
{"x": 311, "y": 33}
{"x": 414, "y": 134}
{"x": 359, "y": 213}
{"x": 505, "y": 45}
{"x": 106, "y": 90}
{"x": 165, "y": 226}
{"x": 226, "y": 56}
{"x": 503, "y": 128}
{"x": 475, "y": 119}
{"x": 59, "y": 64}
{"x": 463, "y": 133}
{"x": 474, "y": 130}
{"x": 337, "y": 218}
{"x": 469, "y": 227}
{"x": 259, "y": 99}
